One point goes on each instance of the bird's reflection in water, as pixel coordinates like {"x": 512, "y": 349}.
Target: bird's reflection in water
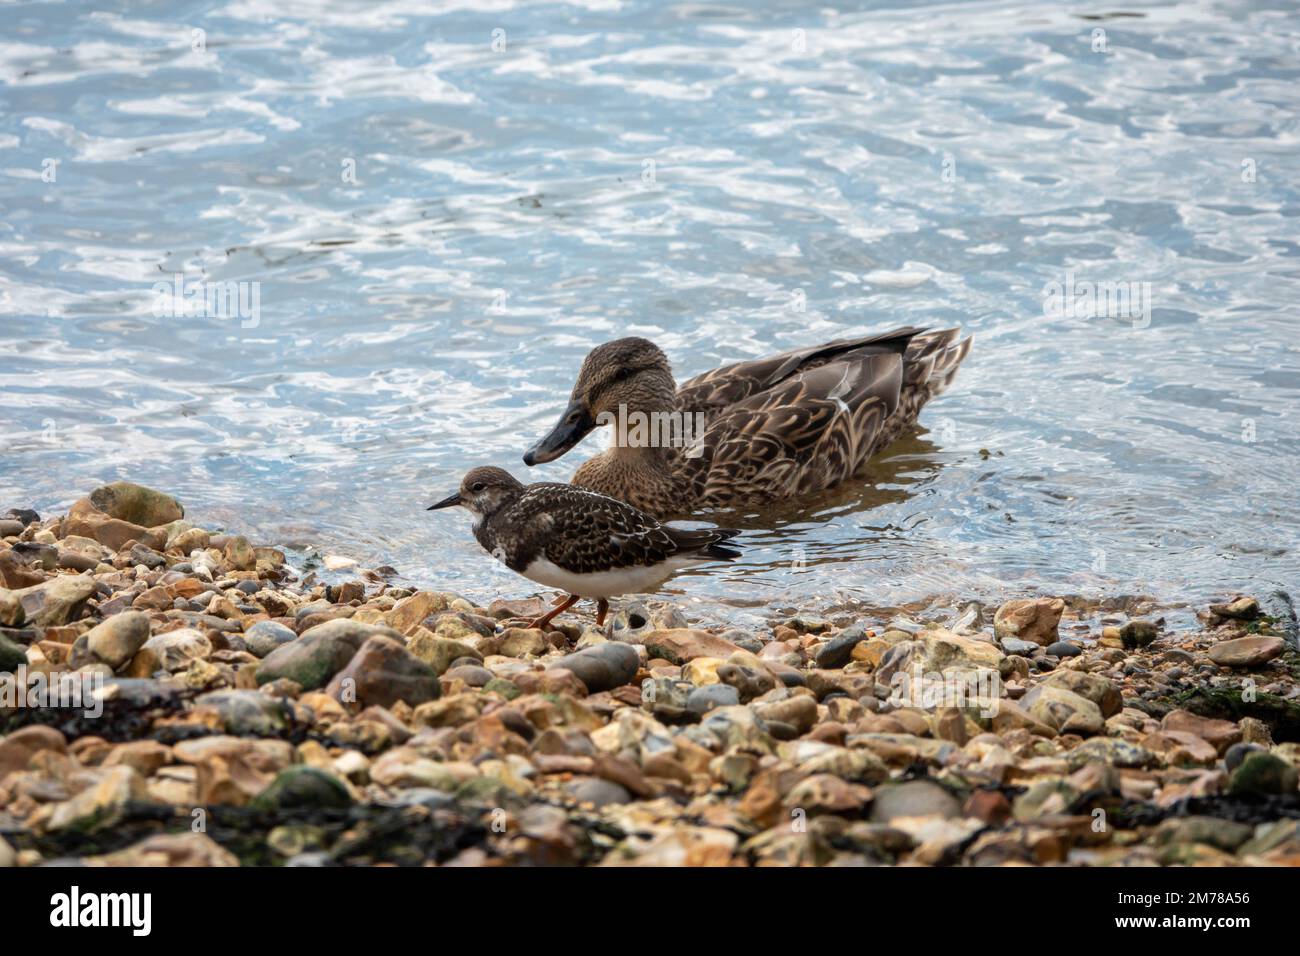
{"x": 784, "y": 536}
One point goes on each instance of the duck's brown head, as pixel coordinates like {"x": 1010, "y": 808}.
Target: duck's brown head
{"x": 623, "y": 376}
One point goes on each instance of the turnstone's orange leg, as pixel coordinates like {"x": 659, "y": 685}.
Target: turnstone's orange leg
{"x": 601, "y": 607}
{"x": 544, "y": 621}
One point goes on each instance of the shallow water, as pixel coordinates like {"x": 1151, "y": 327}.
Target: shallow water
{"x": 439, "y": 221}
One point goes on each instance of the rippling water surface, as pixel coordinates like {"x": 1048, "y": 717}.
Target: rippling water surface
{"x": 442, "y": 207}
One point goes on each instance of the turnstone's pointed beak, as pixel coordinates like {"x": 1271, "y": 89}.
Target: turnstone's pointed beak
{"x": 574, "y": 425}
{"x": 449, "y": 502}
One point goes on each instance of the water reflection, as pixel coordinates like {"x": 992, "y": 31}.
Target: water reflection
{"x": 441, "y": 230}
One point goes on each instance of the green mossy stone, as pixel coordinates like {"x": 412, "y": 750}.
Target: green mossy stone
{"x": 303, "y": 787}
{"x": 12, "y": 656}
{"x": 1264, "y": 774}
{"x": 499, "y": 685}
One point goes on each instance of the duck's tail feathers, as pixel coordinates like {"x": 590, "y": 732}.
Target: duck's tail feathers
{"x": 932, "y": 359}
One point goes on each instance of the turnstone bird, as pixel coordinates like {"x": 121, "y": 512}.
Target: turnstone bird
{"x": 756, "y": 431}
{"x": 583, "y": 543}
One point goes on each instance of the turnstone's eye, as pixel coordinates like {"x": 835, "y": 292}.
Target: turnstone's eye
{"x": 477, "y": 487}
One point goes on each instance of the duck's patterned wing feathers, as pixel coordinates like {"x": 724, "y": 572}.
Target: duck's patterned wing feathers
{"x": 731, "y": 384}
{"x": 807, "y": 434}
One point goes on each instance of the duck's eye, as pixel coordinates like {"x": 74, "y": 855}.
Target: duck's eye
{"x": 623, "y": 374}
{"x": 477, "y": 487}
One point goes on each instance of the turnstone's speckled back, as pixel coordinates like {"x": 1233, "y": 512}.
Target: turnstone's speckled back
{"x": 581, "y": 542}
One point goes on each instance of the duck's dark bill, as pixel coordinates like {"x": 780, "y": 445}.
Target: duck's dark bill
{"x": 448, "y": 502}
{"x": 573, "y": 427}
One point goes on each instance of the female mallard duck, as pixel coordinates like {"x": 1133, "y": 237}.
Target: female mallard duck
{"x": 792, "y": 424}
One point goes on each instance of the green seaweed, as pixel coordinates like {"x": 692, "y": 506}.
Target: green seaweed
{"x": 1228, "y": 703}
{"x": 363, "y": 834}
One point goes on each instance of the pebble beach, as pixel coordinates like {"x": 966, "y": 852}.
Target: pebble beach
{"x": 217, "y": 705}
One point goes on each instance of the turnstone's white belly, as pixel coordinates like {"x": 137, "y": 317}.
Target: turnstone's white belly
{"x": 606, "y": 584}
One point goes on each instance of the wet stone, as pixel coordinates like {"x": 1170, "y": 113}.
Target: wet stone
{"x": 602, "y": 667}
{"x": 16, "y": 576}
{"x": 56, "y": 601}
{"x": 701, "y": 700}
{"x": 743, "y": 639}
{"x": 1241, "y": 609}
{"x": 523, "y": 642}
{"x": 247, "y": 712}
{"x": 1226, "y": 835}
{"x": 1219, "y": 733}
{"x": 137, "y": 504}
{"x": 1064, "y": 649}
{"x": 680, "y": 645}
{"x": 23, "y": 516}
{"x": 239, "y": 554}
{"x": 265, "y": 636}
{"x": 440, "y": 653}
{"x": 1094, "y": 687}
{"x": 170, "y": 651}
{"x": 472, "y": 674}
{"x": 598, "y": 792}
{"x": 667, "y": 699}
{"x": 116, "y": 640}
{"x": 317, "y": 655}
{"x": 914, "y": 798}
{"x": 141, "y": 556}
{"x": 1064, "y": 711}
{"x": 1110, "y": 751}
{"x": 140, "y": 693}
{"x": 838, "y": 651}
{"x": 381, "y": 673}
{"x": 1138, "y": 634}
{"x": 749, "y": 682}
{"x": 1029, "y": 619}
{"x": 1246, "y": 652}
{"x": 17, "y": 749}
{"x": 1013, "y": 645}
{"x": 36, "y": 555}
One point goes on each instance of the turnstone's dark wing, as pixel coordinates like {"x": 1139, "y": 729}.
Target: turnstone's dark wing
{"x": 584, "y": 532}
